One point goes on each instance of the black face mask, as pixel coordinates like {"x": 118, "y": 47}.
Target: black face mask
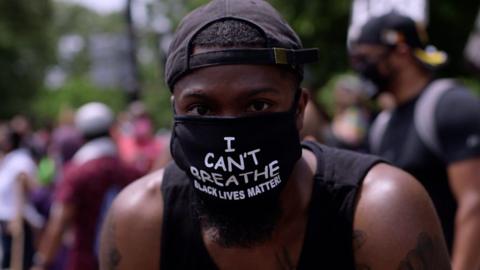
{"x": 368, "y": 70}
{"x": 234, "y": 160}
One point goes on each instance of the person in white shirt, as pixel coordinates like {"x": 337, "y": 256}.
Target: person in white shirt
{"x": 17, "y": 215}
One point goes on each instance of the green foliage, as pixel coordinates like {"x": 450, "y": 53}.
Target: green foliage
{"x": 158, "y": 105}
{"x": 78, "y": 20}
{"x": 156, "y": 97}
{"x": 26, "y": 40}
{"x": 78, "y": 89}
{"x": 70, "y": 18}
{"x": 450, "y": 25}
{"x": 324, "y": 25}
{"x": 73, "y": 94}
{"x": 324, "y": 97}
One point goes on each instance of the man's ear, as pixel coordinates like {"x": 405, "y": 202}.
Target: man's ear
{"x": 302, "y": 103}
{"x": 172, "y": 102}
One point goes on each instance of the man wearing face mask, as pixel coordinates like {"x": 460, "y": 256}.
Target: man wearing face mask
{"x": 434, "y": 131}
{"x": 243, "y": 192}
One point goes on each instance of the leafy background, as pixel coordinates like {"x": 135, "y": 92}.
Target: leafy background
{"x": 30, "y": 30}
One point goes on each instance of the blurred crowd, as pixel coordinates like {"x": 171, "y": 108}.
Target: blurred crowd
{"x": 35, "y": 162}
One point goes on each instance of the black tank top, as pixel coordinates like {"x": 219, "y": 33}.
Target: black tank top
{"x": 328, "y": 238}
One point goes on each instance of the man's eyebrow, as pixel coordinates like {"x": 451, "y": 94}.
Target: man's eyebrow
{"x": 194, "y": 93}
{"x": 200, "y": 93}
{"x": 263, "y": 90}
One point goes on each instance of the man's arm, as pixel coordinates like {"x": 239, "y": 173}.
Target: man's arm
{"x": 458, "y": 131}
{"x": 16, "y": 224}
{"x": 395, "y": 225}
{"x": 60, "y": 217}
{"x": 131, "y": 234}
{"x": 464, "y": 177}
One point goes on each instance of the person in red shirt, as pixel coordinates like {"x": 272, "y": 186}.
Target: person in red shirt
{"x": 96, "y": 174}
{"x": 139, "y": 145}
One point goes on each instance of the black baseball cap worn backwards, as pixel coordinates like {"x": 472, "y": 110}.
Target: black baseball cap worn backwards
{"x": 283, "y": 46}
{"x": 394, "y": 28}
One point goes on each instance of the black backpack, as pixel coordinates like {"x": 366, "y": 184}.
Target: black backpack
{"x": 424, "y": 118}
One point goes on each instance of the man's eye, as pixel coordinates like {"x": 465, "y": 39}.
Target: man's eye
{"x": 258, "y": 106}
{"x": 198, "y": 110}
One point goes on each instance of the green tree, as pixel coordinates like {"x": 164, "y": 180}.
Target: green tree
{"x": 450, "y": 25}
{"x": 72, "y": 19}
{"x": 25, "y": 50}
{"x": 321, "y": 24}
{"x": 76, "y": 92}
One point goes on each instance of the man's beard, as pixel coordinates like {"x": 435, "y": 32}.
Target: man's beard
{"x": 239, "y": 224}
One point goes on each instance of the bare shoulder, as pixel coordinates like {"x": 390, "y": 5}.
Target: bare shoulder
{"x": 132, "y": 231}
{"x": 395, "y": 224}
{"x": 384, "y": 180}
{"x": 144, "y": 190}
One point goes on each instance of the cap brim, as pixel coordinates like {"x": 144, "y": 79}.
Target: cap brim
{"x": 432, "y": 58}
{"x": 279, "y": 56}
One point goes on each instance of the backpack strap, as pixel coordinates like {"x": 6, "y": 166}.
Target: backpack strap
{"x": 424, "y": 116}
{"x": 378, "y": 128}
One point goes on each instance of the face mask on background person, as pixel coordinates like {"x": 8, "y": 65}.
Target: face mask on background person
{"x": 369, "y": 70}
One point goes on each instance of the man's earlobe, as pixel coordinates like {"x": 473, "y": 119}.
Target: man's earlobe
{"x": 303, "y": 100}
{"x": 172, "y": 103}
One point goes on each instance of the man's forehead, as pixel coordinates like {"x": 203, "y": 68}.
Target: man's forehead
{"x": 236, "y": 78}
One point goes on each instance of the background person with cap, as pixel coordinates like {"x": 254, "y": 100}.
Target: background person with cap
{"x": 83, "y": 195}
{"x": 243, "y": 192}
{"x": 433, "y": 133}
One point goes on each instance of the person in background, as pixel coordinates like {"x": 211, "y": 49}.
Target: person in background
{"x": 351, "y": 116}
{"x": 314, "y": 122}
{"x": 18, "y": 217}
{"x": 433, "y": 132}
{"x": 95, "y": 175}
{"x": 138, "y": 143}
{"x": 64, "y": 143}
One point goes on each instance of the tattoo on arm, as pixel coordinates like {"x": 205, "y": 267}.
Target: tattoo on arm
{"x": 359, "y": 239}
{"x": 429, "y": 254}
{"x": 110, "y": 256}
{"x": 285, "y": 260}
